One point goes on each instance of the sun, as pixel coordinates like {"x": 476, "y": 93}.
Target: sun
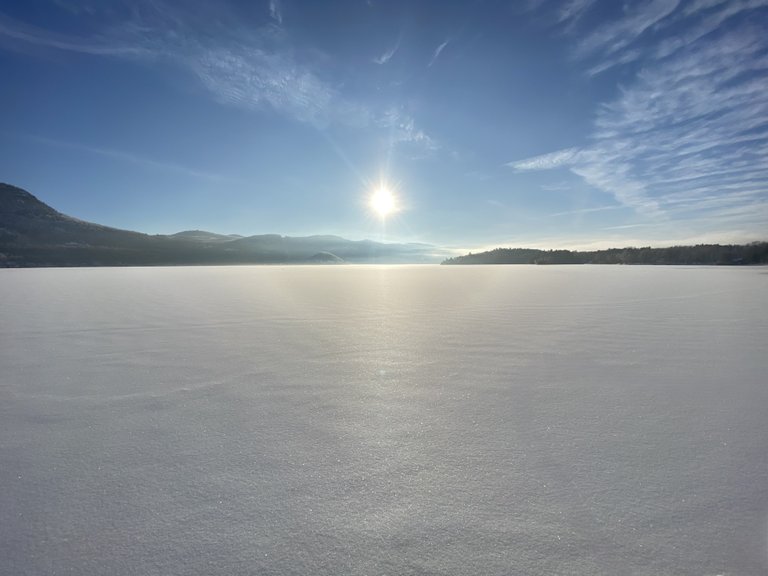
{"x": 383, "y": 202}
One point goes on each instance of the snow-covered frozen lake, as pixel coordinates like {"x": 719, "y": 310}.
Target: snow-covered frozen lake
{"x": 384, "y": 420}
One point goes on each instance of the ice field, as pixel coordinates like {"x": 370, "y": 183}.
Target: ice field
{"x": 421, "y": 420}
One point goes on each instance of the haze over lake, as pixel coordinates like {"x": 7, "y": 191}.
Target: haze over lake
{"x": 334, "y": 420}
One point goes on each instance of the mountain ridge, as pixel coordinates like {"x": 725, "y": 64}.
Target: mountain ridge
{"x": 33, "y": 234}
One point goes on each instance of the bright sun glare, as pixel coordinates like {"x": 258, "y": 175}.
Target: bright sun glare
{"x": 383, "y": 202}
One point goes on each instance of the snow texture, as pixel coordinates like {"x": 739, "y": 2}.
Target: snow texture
{"x": 384, "y": 420}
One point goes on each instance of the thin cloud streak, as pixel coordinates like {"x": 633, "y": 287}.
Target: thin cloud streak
{"x": 387, "y": 55}
{"x": 437, "y": 52}
{"x": 31, "y": 35}
{"x": 276, "y": 10}
{"x": 631, "y": 226}
{"x": 613, "y": 37}
{"x": 574, "y": 10}
{"x": 588, "y": 210}
{"x": 548, "y": 161}
{"x": 126, "y": 157}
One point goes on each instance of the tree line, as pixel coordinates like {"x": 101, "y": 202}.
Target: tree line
{"x": 701, "y": 254}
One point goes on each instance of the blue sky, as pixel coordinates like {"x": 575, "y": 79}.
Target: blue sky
{"x": 581, "y": 123}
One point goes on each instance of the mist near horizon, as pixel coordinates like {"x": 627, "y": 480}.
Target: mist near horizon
{"x": 384, "y": 419}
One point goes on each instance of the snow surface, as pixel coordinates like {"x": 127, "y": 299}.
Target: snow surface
{"x": 384, "y": 420}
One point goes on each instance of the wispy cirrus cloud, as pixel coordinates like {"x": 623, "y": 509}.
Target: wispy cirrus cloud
{"x": 386, "y": 56}
{"x": 402, "y": 128}
{"x": 255, "y": 68}
{"x": 651, "y": 27}
{"x": 574, "y": 10}
{"x": 686, "y": 139}
{"x": 589, "y": 210}
{"x": 565, "y": 157}
{"x": 254, "y": 78}
{"x": 619, "y": 34}
{"x": 20, "y": 32}
{"x": 276, "y": 10}
{"x": 437, "y": 52}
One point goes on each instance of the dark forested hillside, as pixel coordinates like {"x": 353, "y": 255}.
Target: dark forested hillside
{"x": 702, "y": 254}
{"x": 34, "y": 234}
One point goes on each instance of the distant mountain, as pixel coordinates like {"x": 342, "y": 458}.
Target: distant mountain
{"x": 702, "y": 254}
{"x": 34, "y": 234}
{"x": 325, "y": 258}
{"x": 203, "y": 236}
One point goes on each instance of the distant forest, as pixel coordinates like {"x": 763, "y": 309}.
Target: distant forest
{"x": 702, "y": 254}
